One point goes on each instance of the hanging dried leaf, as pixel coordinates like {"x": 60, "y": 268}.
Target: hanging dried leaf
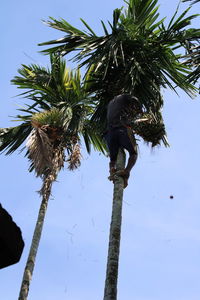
{"x": 40, "y": 151}
{"x": 51, "y": 174}
{"x": 75, "y": 157}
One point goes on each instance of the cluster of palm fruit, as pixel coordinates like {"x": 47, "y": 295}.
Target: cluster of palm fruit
{"x": 150, "y": 127}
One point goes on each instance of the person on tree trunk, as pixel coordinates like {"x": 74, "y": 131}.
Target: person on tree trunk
{"x": 120, "y": 112}
{"x": 11, "y": 242}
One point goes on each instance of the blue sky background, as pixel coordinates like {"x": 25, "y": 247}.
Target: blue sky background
{"x": 160, "y": 247}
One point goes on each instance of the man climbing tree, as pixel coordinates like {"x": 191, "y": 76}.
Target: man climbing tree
{"x": 119, "y": 134}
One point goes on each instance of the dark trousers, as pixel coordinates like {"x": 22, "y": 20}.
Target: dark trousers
{"x": 120, "y": 137}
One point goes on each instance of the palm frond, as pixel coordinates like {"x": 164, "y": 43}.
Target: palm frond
{"x": 51, "y": 173}
{"x": 55, "y": 87}
{"x": 12, "y": 138}
{"x": 56, "y": 118}
{"x": 192, "y": 1}
{"x": 3, "y": 131}
{"x": 93, "y": 135}
{"x": 192, "y": 58}
{"x": 139, "y": 45}
{"x": 40, "y": 151}
{"x": 74, "y": 160}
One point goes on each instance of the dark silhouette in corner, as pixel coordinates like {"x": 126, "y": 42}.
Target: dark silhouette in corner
{"x": 11, "y": 242}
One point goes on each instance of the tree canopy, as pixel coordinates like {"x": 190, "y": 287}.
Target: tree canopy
{"x": 137, "y": 54}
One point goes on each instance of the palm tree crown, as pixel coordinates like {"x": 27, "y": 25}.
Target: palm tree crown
{"x": 60, "y": 106}
{"x": 135, "y": 55}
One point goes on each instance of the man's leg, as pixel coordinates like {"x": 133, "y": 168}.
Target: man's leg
{"x": 126, "y": 172}
{"x": 113, "y": 147}
{"x": 128, "y": 142}
{"x": 131, "y": 162}
{"x": 112, "y": 170}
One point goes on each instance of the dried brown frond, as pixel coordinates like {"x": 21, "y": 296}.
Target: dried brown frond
{"x": 54, "y": 133}
{"x": 58, "y": 159}
{"x": 75, "y": 157}
{"x": 51, "y": 174}
{"x": 40, "y": 151}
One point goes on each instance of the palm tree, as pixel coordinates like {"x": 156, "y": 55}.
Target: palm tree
{"x": 138, "y": 54}
{"x": 52, "y": 125}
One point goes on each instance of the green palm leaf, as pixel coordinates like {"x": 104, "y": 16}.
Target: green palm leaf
{"x": 193, "y": 1}
{"x": 12, "y": 138}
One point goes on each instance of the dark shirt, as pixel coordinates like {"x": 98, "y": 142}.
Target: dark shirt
{"x": 11, "y": 242}
{"x": 118, "y": 111}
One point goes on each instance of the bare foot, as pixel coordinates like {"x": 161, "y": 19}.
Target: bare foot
{"x": 112, "y": 174}
{"x": 125, "y": 174}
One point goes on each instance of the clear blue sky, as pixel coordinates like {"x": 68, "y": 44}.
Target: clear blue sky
{"x": 160, "y": 247}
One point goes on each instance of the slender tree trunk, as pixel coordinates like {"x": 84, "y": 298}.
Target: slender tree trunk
{"x": 45, "y": 191}
{"x": 110, "y": 291}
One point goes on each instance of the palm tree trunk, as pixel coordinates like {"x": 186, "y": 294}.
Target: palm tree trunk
{"x": 46, "y": 192}
{"x": 110, "y": 291}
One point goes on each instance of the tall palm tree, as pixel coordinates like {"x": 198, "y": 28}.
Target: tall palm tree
{"x": 52, "y": 125}
{"x": 140, "y": 55}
